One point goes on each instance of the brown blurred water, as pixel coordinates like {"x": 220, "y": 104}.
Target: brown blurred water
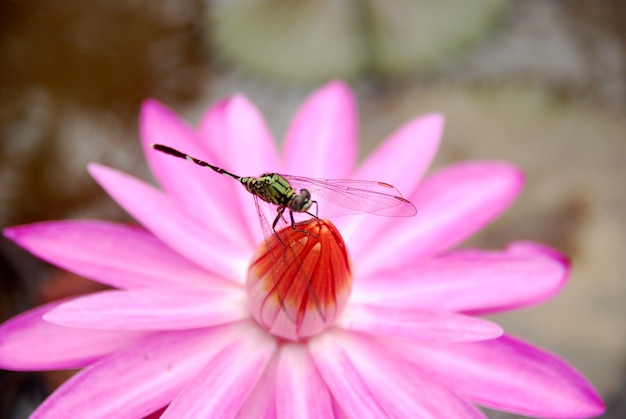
{"x": 542, "y": 85}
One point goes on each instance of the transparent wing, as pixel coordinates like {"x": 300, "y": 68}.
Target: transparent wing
{"x": 336, "y": 197}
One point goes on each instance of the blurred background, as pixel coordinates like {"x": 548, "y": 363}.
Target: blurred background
{"x": 539, "y": 83}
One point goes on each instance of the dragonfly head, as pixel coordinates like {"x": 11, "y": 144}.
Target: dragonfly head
{"x": 301, "y": 202}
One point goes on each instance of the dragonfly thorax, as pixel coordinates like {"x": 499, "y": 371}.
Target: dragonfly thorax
{"x": 275, "y": 189}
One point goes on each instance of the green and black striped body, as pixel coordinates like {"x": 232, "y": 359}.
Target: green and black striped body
{"x": 275, "y": 189}
{"x": 270, "y": 187}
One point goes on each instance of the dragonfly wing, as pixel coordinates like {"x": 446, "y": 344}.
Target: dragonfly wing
{"x": 337, "y": 197}
{"x": 347, "y": 184}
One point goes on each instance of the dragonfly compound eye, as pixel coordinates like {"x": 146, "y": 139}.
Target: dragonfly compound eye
{"x": 301, "y": 202}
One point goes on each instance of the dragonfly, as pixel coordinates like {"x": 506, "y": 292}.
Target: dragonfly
{"x": 297, "y": 194}
{"x": 316, "y": 198}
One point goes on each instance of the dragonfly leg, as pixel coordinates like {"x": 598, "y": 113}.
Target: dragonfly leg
{"x": 316, "y": 208}
{"x": 293, "y": 225}
{"x": 281, "y": 211}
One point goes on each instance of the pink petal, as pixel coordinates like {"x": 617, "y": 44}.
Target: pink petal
{"x": 406, "y": 154}
{"x": 470, "y": 281}
{"x": 151, "y": 310}
{"x": 223, "y": 385}
{"x": 321, "y": 140}
{"x": 205, "y": 194}
{"x": 511, "y": 375}
{"x": 451, "y": 205}
{"x": 139, "y": 380}
{"x": 301, "y": 391}
{"x": 113, "y": 254}
{"x": 417, "y": 325}
{"x": 196, "y": 241}
{"x": 27, "y": 342}
{"x": 400, "y": 161}
{"x": 261, "y": 402}
{"x": 369, "y": 381}
{"x": 213, "y": 129}
{"x": 533, "y": 248}
{"x": 236, "y": 133}
{"x": 343, "y": 379}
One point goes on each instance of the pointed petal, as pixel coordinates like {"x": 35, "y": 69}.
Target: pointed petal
{"x": 509, "y": 374}
{"x": 301, "y": 391}
{"x": 358, "y": 371}
{"x": 139, "y": 380}
{"x": 417, "y": 325}
{"x": 451, "y": 205}
{"x": 470, "y": 281}
{"x": 151, "y": 310}
{"x": 27, "y": 342}
{"x": 343, "y": 379}
{"x": 261, "y": 402}
{"x": 400, "y": 161}
{"x": 214, "y": 130}
{"x": 205, "y": 194}
{"x": 406, "y": 154}
{"x": 197, "y": 242}
{"x": 118, "y": 255}
{"x": 525, "y": 247}
{"x": 228, "y": 378}
{"x": 321, "y": 140}
{"x": 237, "y": 134}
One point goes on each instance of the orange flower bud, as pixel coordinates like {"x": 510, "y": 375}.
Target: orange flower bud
{"x": 299, "y": 280}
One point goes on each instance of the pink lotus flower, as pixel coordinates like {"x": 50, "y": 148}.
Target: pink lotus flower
{"x": 179, "y": 330}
